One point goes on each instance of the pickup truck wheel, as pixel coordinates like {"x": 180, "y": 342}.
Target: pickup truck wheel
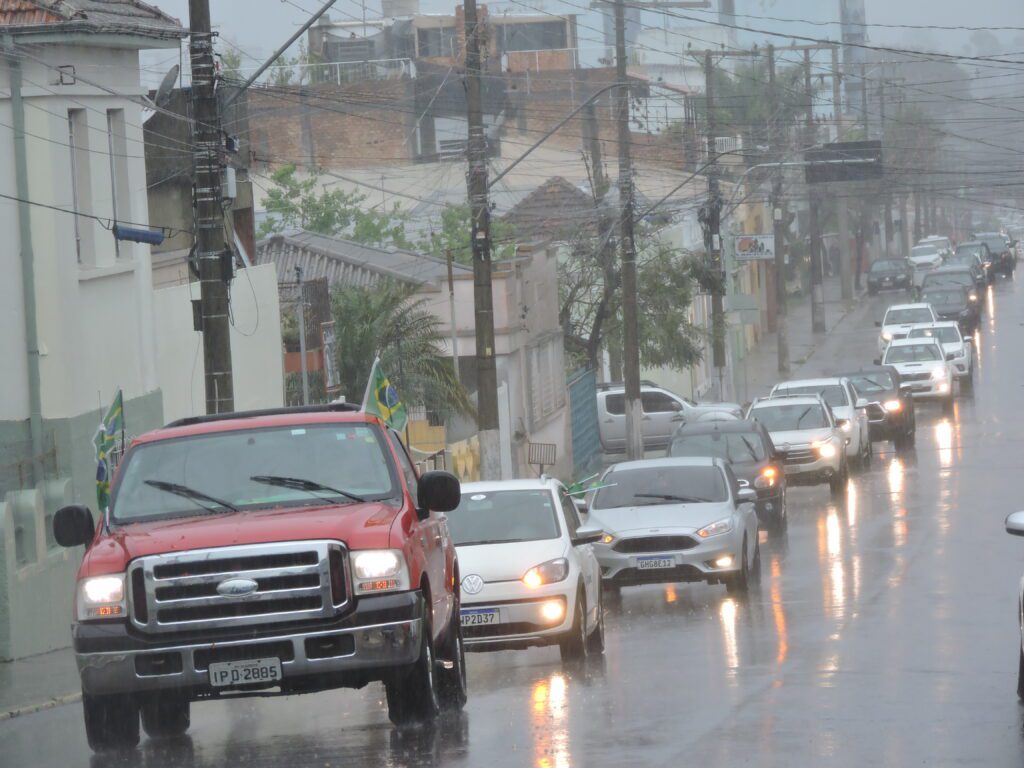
{"x": 165, "y": 715}
{"x": 412, "y": 693}
{"x": 452, "y": 679}
{"x": 111, "y": 722}
{"x": 574, "y": 645}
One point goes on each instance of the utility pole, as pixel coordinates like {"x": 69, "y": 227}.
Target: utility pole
{"x": 302, "y": 334}
{"x": 842, "y": 209}
{"x": 451, "y": 313}
{"x": 207, "y": 140}
{"x": 887, "y": 196}
{"x": 817, "y": 286}
{"x": 713, "y": 236}
{"x": 480, "y": 235}
{"x": 778, "y": 220}
{"x": 627, "y": 245}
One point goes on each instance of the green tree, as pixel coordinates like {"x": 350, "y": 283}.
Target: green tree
{"x": 453, "y": 234}
{"x": 386, "y": 319}
{"x": 231, "y": 64}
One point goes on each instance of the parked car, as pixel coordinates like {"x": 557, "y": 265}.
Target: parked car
{"x": 890, "y": 273}
{"x": 943, "y": 244}
{"x": 924, "y": 370}
{"x": 1004, "y": 254}
{"x": 529, "y": 574}
{"x": 306, "y": 529}
{"x": 748, "y": 448}
{"x": 898, "y": 320}
{"x": 807, "y": 438}
{"x": 1015, "y": 527}
{"x": 958, "y": 348}
{"x": 663, "y": 412}
{"x": 924, "y": 258}
{"x": 676, "y": 519}
{"x": 848, "y": 408}
{"x": 890, "y": 409}
{"x": 972, "y": 259}
{"x": 953, "y": 302}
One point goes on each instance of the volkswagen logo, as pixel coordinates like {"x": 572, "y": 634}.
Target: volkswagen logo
{"x": 472, "y": 584}
{"x": 237, "y": 587}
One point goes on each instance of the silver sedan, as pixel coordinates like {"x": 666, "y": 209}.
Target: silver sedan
{"x": 675, "y": 519}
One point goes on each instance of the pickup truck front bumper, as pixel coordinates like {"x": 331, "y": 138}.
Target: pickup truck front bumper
{"x": 382, "y": 634}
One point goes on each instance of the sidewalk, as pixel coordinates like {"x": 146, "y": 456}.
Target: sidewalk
{"x": 38, "y": 682}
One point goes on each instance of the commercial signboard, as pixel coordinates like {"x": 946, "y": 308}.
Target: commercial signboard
{"x": 754, "y": 247}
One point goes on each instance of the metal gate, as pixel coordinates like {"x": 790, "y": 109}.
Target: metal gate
{"x": 586, "y": 440}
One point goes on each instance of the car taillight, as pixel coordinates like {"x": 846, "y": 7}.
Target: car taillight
{"x": 338, "y": 591}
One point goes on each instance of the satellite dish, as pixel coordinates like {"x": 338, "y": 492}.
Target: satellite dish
{"x": 163, "y": 93}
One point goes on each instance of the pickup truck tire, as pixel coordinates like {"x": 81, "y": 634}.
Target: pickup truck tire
{"x": 452, "y": 681}
{"x": 111, "y": 722}
{"x": 412, "y": 693}
{"x": 573, "y": 646}
{"x": 165, "y": 715}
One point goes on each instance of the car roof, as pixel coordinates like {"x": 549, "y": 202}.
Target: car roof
{"x": 946, "y": 268}
{"x": 913, "y": 342}
{"x": 525, "y": 484}
{"x": 737, "y": 426}
{"x": 246, "y": 420}
{"x": 937, "y": 324}
{"x": 919, "y": 305}
{"x": 821, "y": 381}
{"x": 788, "y": 400}
{"x": 871, "y": 369}
{"x": 674, "y": 461}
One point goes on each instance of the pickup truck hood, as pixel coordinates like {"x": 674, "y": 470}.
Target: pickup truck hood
{"x": 910, "y": 368}
{"x": 368, "y": 524}
{"x": 507, "y": 562}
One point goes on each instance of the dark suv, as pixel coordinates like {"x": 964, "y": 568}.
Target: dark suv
{"x": 1003, "y": 250}
{"x": 953, "y": 302}
{"x": 954, "y": 276}
{"x": 748, "y": 447}
{"x": 889, "y": 273}
{"x": 974, "y": 254}
{"x": 891, "y": 408}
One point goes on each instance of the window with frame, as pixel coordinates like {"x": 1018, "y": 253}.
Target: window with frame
{"x": 546, "y": 376}
{"x": 659, "y": 402}
{"x": 81, "y": 186}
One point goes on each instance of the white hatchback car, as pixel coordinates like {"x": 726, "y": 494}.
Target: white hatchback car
{"x": 849, "y": 409}
{"x": 528, "y": 572}
{"x": 953, "y": 343}
{"x": 898, "y": 320}
{"x": 924, "y": 369}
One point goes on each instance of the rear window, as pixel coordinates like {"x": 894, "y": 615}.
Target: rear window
{"x": 504, "y": 517}
{"x": 647, "y": 486}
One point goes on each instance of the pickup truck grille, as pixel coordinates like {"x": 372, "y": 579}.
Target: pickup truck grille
{"x": 916, "y": 376}
{"x": 286, "y": 582}
{"x": 800, "y": 454}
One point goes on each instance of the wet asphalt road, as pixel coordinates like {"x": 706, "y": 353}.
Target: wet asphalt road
{"x": 884, "y": 633}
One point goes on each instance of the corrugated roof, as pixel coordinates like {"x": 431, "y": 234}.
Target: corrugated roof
{"x": 116, "y": 16}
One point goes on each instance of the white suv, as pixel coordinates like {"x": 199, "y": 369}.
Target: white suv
{"x": 924, "y": 368}
{"x": 953, "y": 343}
{"x": 527, "y": 567}
{"x": 898, "y": 320}
{"x": 811, "y": 445}
{"x": 849, "y": 409}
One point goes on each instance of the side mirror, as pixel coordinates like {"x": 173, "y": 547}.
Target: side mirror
{"x": 73, "y": 526}
{"x": 438, "y": 492}
{"x": 950, "y": 356}
{"x": 581, "y": 505}
{"x": 861, "y": 403}
{"x": 587, "y": 534}
{"x": 746, "y": 496}
{"x": 676, "y": 406}
{"x": 1015, "y": 524}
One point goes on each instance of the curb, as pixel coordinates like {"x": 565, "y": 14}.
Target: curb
{"x": 57, "y": 701}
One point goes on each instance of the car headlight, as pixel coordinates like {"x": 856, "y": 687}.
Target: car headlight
{"x": 893, "y": 406}
{"x": 607, "y": 539}
{"x": 101, "y": 597}
{"x": 716, "y": 528}
{"x": 547, "y": 573}
{"x": 846, "y": 426}
{"x": 886, "y": 336}
{"x": 939, "y": 374}
{"x": 379, "y": 570}
{"x": 767, "y": 479}
{"x": 973, "y": 297}
{"x": 825, "y": 449}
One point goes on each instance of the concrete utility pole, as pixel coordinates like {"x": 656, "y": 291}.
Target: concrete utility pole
{"x": 480, "y": 238}
{"x": 302, "y": 334}
{"x": 817, "y": 286}
{"x": 778, "y": 221}
{"x": 207, "y": 140}
{"x": 842, "y": 209}
{"x": 630, "y": 322}
{"x": 887, "y": 197}
{"x": 714, "y": 237}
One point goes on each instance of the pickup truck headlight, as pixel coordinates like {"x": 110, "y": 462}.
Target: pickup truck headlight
{"x": 379, "y": 570}
{"x": 716, "y": 528}
{"x": 101, "y": 597}
{"x": 547, "y": 573}
{"x": 825, "y": 449}
{"x": 886, "y": 336}
{"x": 939, "y": 374}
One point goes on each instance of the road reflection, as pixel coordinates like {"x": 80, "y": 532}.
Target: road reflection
{"x": 944, "y": 440}
{"x": 550, "y": 719}
{"x": 778, "y": 613}
{"x": 727, "y": 613}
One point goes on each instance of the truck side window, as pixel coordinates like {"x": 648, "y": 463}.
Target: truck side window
{"x": 615, "y": 404}
{"x": 405, "y": 464}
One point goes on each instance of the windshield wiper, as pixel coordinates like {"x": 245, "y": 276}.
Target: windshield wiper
{"x": 192, "y": 495}
{"x": 750, "y": 447}
{"x": 301, "y": 484}
{"x": 802, "y": 416}
{"x": 672, "y": 497}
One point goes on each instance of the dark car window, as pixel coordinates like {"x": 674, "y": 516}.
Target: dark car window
{"x": 731, "y": 446}
{"x": 872, "y": 383}
{"x": 912, "y": 353}
{"x": 833, "y": 394}
{"x": 946, "y": 334}
{"x": 645, "y": 486}
{"x": 569, "y": 513}
{"x": 944, "y": 296}
{"x": 615, "y": 404}
{"x": 785, "y": 417}
{"x": 889, "y": 265}
{"x": 964, "y": 278}
{"x": 502, "y": 517}
{"x": 659, "y": 402}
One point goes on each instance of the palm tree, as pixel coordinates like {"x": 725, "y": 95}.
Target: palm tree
{"x": 387, "y": 320}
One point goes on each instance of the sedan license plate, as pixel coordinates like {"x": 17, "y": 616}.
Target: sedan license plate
{"x": 651, "y": 563}
{"x": 479, "y": 617}
{"x": 225, "y": 674}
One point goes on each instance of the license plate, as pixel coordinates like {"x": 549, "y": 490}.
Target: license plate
{"x": 225, "y": 674}
{"x": 479, "y": 617}
{"x": 651, "y": 563}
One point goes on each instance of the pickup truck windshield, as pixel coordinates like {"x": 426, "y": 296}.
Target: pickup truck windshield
{"x": 228, "y": 471}
{"x": 902, "y": 316}
{"x": 668, "y": 484}
{"x": 912, "y": 353}
{"x": 503, "y": 517}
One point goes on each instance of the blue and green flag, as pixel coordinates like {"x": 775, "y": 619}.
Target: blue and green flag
{"x": 382, "y": 400}
{"x": 104, "y": 441}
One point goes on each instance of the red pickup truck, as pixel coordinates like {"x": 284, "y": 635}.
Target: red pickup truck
{"x": 287, "y": 551}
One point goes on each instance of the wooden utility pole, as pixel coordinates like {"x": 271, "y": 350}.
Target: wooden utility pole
{"x": 627, "y": 245}
{"x": 713, "y": 237}
{"x": 778, "y": 220}
{"x": 817, "y": 284}
{"x": 207, "y": 140}
{"x": 480, "y": 236}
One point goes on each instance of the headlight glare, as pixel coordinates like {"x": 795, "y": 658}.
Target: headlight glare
{"x": 716, "y": 528}
{"x": 886, "y": 336}
{"x": 547, "y": 573}
{"x": 379, "y": 570}
{"x": 825, "y": 449}
{"x": 101, "y": 597}
{"x": 939, "y": 374}
{"x": 893, "y": 406}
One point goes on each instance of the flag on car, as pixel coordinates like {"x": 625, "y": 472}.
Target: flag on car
{"x": 104, "y": 442}
{"x": 381, "y": 399}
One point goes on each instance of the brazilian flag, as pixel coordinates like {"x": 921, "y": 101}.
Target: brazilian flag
{"x": 382, "y": 399}
{"x": 104, "y": 442}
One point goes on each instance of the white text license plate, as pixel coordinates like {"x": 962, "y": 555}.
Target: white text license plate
{"x": 249, "y": 672}
{"x": 650, "y": 563}
{"x": 478, "y": 617}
